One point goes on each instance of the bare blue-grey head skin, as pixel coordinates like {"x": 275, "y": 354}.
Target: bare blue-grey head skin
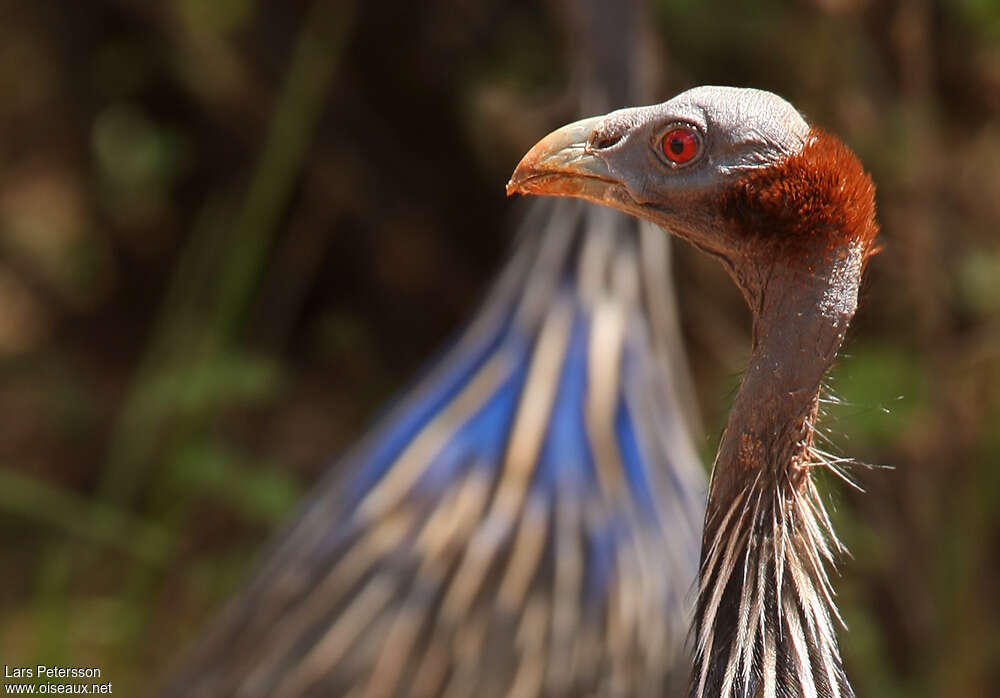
{"x": 789, "y": 211}
{"x": 616, "y": 159}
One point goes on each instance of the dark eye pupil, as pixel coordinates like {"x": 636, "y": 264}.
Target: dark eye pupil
{"x": 676, "y": 146}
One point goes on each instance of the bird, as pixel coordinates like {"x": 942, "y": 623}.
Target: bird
{"x": 525, "y": 521}
{"x": 789, "y": 211}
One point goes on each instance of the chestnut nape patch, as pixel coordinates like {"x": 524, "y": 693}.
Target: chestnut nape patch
{"x": 821, "y": 192}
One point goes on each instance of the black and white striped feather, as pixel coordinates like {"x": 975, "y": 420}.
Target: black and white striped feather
{"x": 766, "y": 615}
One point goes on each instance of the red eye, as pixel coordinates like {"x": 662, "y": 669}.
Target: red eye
{"x": 680, "y": 145}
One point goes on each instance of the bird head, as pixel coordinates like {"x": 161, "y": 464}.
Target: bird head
{"x": 737, "y": 172}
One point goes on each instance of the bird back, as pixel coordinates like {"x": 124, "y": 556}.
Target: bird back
{"x": 525, "y": 521}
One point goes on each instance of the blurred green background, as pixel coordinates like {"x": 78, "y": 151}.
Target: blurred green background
{"x": 230, "y": 229}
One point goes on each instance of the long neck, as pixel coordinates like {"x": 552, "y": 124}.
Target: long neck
{"x": 801, "y": 313}
{"x": 763, "y": 621}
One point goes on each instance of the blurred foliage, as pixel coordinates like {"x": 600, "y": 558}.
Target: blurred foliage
{"x": 229, "y": 230}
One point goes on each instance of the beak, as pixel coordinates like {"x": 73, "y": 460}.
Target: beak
{"x": 562, "y": 164}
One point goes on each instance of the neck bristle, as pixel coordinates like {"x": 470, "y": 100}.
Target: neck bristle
{"x": 766, "y": 617}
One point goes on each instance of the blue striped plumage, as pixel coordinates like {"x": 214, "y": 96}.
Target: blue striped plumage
{"x": 525, "y": 522}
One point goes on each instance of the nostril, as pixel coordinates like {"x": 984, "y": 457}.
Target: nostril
{"x": 606, "y": 135}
